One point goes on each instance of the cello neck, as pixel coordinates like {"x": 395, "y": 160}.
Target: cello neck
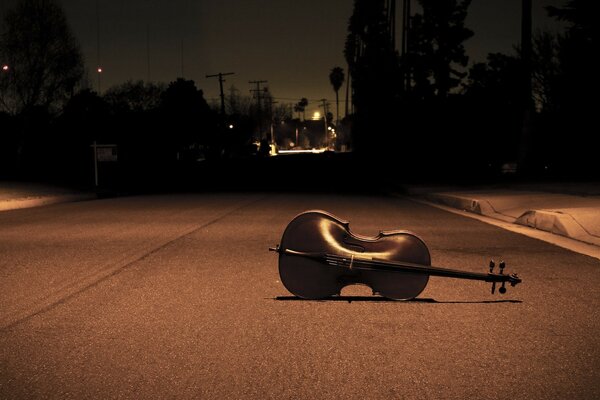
{"x": 358, "y": 263}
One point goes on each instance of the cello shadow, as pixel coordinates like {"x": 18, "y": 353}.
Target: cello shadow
{"x": 378, "y": 299}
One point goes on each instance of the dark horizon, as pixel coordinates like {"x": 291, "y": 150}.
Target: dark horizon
{"x": 264, "y": 40}
{"x": 497, "y": 120}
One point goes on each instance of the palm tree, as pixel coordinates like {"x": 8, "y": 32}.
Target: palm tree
{"x": 302, "y": 104}
{"x": 336, "y": 77}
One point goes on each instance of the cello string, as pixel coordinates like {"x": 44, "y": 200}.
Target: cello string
{"x": 342, "y": 261}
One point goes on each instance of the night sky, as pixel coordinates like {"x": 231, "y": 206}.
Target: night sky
{"x": 292, "y": 44}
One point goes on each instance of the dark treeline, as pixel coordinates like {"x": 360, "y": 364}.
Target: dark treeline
{"x": 422, "y": 110}
{"x": 157, "y": 129}
{"x": 50, "y": 117}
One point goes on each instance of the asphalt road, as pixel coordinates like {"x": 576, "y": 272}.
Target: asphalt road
{"x": 177, "y": 297}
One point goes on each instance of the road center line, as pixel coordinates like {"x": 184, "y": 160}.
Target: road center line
{"x": 115, "y": 271}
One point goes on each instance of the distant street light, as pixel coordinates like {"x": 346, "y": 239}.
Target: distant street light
{"x": 5, "y": 68}
{"x": 99, "y": 82}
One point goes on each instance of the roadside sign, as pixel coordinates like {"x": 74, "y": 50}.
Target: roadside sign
{"x": 108, "y": 154}
{"x": 103, "y": 153}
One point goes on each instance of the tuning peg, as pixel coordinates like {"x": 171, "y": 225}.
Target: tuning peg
{"x": 493, "y": 287}
{"x": 502, "y": 265}
{"x": 492, "y": 265}
{"x": 502, "y": 290}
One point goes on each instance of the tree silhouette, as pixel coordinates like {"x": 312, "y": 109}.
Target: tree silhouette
{"x": 135, "y": 96}
{"x": 546, "y": 70}
{"x": 43, "y": 57}
{"x": 188, "y": 118}
{"x": 300, "y": 107}
{"x": 436, "y": 49}
{"x": 373, "y": 67}
{"x": 493, "y": 96}
{"x": 573, "y": 116}
{"x": 336, "y": 77}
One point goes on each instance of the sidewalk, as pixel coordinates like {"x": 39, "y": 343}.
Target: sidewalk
{"x": 15, "y": 195}
{"x": 571, "y": 210}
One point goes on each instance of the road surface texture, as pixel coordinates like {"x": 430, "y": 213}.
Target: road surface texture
{"x": 176, "y": 296}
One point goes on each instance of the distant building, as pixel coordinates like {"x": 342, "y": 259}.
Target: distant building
{"x": 298, "y": 134}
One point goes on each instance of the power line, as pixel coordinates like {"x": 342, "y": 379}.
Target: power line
{"x": 182, "y": 75}
{"x": 148, "y": 52}
{"x": 295, "y": 99}
{"x": 99, "y": 67}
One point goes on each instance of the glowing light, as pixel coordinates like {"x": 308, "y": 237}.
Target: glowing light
{"x": 313, "y": 151}
{"x": 230, "y": 126}
{"x": 5, "y": 67}
{"x": 99, "y": 70}
{"x": 316, "y": 116}
{"x": 328, "y": 128}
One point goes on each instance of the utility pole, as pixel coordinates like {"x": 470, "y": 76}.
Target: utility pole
{"x": 182, "y": 58}
{"x": 148, "y": 53}
{"x": 405, "y": 48}
{"x": 99, "y": 68}
{"x": 257, "y": 93}
{"x": 271, "y": 102}
{"x": 325, "y": 106}
{"x": 392, "y": 21}
{"x": 220, "y": 75}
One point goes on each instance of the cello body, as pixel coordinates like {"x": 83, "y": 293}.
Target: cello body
{"x": 318, "y": 232}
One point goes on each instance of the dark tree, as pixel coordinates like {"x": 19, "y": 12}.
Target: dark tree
{"x": 238, "y": 104}
{"x": 336, "y": 78}
{"x": 493, "y": 96}
{"x": 577, "y": 49}
{"x": 43, "y": 58}
{"x": 573, "y": 119}
{"x": 546, "y": 70}
{"x": 188, "y": 120}
{"x": 300, "y": 107}
{"x": 496, "y": 80}
{"x": 437, "y": 55}
{"x": 135, "y": 96}
{"x": 373, "y": 66}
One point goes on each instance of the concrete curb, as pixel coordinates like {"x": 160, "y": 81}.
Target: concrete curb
{"x": 15, "y": 204}
{"x": 476, "y": 206}
{"x": 555, "y": 222}
{"x": 558, "y": 223}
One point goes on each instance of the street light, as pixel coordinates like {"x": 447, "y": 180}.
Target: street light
{"x": 99, "y": 70}
{"x": 5, "y": 68}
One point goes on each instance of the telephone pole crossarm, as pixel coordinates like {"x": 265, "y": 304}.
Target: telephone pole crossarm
{"x": 220, "y": 75}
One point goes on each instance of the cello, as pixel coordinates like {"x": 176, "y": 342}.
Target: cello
{"x": 319, "y": 256}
